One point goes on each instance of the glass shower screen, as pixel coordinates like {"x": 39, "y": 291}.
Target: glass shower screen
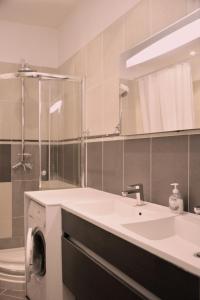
{"x": 60, "y": 127}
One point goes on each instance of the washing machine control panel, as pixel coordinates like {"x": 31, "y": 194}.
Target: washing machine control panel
{"x": 36, "y": 215}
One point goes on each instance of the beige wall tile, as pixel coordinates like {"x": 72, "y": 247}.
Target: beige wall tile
{"x": 196, "y": 91}
{"x": 15, "y": 120}
{"x": 137, "y": 24}
{"x": 44, "y": 129}
{"x": 192, "y": 5}
{"x": 99, "y": 60}
{"x": 80, "y": 63}
{"x": 45, "y": 98}
{"x": 165, "y": 12}
{"x": 113, "y": 46}
{"x": 56, "y": 118}
{"x": 67, "y": 67}
{"x": 94, "y": 71}
{"x": 10, "y": 90}
{"x": 131, "y": 110}
{"x": 94, "y": 111}
{"x": 8, "y": 67}
{"x": 31, "y": 109}
{"x": 128, "y": 110}
{"x": 77, "y": 110}
{"x": 72, "y": 111}
{"x": 111, "y": 106}
{"x": 10, "y": 120}
{"x": 6, "y": 209}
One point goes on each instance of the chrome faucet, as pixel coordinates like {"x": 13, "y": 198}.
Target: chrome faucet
{"x": 197, "y": 210}
{"x": 135, "y": 189}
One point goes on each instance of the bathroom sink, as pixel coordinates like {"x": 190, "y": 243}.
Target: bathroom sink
{"x": 118, "y": 211}
{"x": 101, "y": 208}
{"x": 185, "y": 227}
{"x": 152, "y": 227}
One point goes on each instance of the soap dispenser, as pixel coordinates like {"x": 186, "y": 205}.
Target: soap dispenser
{"x": 175, "y": 200}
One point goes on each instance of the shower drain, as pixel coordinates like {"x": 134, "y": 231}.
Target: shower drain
{"x": 197, "y": 254}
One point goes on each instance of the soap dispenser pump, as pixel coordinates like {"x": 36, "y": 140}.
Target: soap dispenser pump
{"x": 175, "y": 200}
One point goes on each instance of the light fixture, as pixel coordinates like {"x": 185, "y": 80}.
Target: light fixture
{"x": 166, "y": 44}
{"x": 56, "y": 107}
{"x": 193, "y": 53}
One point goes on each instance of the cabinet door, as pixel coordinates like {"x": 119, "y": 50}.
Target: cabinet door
{"x": 88, "y": 280}
{"x": 160, "y": 277}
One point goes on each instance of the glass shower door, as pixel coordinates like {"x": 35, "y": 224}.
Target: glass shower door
{"x": 60, "y": 128}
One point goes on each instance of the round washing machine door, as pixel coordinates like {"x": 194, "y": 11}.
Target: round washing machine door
{"x": 35, "y": 253}
{"x": 39, "y": 253}
{"x": 29, "y": 253}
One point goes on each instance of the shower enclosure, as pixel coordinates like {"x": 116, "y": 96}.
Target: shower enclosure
{"x": 40, "y": 146}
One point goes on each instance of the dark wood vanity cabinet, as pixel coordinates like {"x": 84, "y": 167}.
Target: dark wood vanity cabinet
{"x": 90, "y": 279}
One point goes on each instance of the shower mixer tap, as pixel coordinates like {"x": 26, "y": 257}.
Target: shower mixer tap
{"x": 23, "y": 163}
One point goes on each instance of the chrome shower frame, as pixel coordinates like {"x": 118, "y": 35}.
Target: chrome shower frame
{"x": 47, "y": 76}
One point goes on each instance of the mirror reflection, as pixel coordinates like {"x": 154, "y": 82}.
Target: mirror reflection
{"x": 161, "y": 93}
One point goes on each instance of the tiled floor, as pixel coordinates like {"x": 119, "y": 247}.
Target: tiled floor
{"x": 11, "y": 294}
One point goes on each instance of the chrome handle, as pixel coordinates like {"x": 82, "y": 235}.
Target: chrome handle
{"x": 197, "y": 210}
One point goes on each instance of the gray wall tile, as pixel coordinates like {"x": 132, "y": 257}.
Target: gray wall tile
{"x": 137, "y": 164}
{"x": 76, "y": 163}
{"x": 13, "y": 242}
{"x": 18, "y": 189}
{"x": 94, "y": 165}
{"x": 194, "y": 194}
{"x": 19, "y": 173}
{"x": 15, "y": 293}
{"x": 169, "y": 164}
{"x": 1, "y": 290}
{"x": 156, "y": 167}
{"x": 45, "y": 161}
{"x": 53, "y": 161}
{"x": 61, "y": 161}
{"x": 5, "y": 163}
{"x": 7, "y": 297}
{"x": 113, "y": 167}
{"x": 18, "y": 226}
{"x": 68, "y": 163}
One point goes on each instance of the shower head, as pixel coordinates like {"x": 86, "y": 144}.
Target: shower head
{"x": 123, "y": 90}
{"x": 25, "y": 67}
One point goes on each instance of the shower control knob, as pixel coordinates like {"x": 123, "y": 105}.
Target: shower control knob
{"x": 44, "y": 172}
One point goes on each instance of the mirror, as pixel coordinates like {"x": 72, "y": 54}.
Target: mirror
{"x": 160, "y": 81}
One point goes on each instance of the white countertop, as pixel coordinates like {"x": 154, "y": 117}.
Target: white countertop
{"x": 174, "y": 249}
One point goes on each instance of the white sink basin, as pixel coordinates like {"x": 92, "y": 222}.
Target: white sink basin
{"x": 120, "y": 211}
{"x": 185, "y": 227}
{"x": 152, "y": 227}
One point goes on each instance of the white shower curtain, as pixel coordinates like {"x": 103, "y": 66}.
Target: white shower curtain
{"x": 166, "y": 99}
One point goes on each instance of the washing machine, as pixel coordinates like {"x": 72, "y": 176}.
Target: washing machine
{"x": 43, "y": 248}
{"x": 35, "y": 252}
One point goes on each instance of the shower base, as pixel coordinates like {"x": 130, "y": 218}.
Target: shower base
{"x": 12, "y": 268}
{"x": 56, "y": 184}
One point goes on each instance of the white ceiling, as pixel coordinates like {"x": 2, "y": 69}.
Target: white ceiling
{"x": 48, "y": 13}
